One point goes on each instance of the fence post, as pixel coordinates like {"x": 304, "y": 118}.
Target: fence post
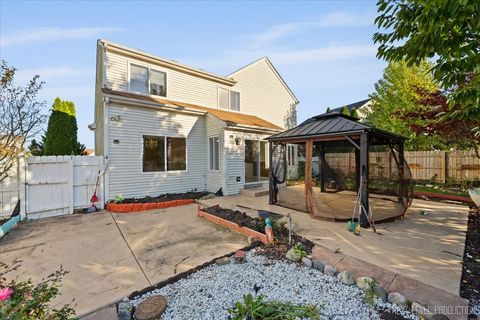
{"x": 445, "y": 165}
{"x": 22, "y": 186}
{"x": 70, "y": 183}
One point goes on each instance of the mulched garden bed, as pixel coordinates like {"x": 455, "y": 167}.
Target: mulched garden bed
{"x": 166, "y": 197}
{"x": 162, "y": 201}
{"x": 470, "y": 285}
{"x": 280, "y": 231}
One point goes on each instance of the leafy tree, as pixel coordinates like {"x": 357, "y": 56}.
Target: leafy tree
{"x": 455, "y": 133}
{"x": 345, "y": 111}
{"x": 328, "y": 110}
{"x": 21, "y": 117}
{"x": 61, "y": 135}
{"x": 447, "y": 31}
{"x": 397, "y": 95}
{"x": 354, "y": 113}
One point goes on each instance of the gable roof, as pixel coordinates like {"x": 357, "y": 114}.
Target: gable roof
{"x": 351, "y": 106}
{"x": 171, "y": 64}
{"x": 330, "y": 124}
{"x": 231, "y": 118}
{"x": 272, "y": 67}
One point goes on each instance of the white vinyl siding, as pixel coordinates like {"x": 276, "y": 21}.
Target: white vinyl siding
{"x": 182, "y": 87}
{"x": 262, "y": 93}
{"x": 126, "y": 176}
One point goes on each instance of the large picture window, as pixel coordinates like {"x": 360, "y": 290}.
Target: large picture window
{"x": 153, "y": 154}
{"x": 148, "y": 81}
{"x": 164, "y": 154}
{"x": 176, "y": 154}
{"x": 214, "y": 150}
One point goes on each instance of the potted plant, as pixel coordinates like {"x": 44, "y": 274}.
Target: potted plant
{"x": 473, "y": 187}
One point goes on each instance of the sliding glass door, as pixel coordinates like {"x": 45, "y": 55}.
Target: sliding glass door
{"x": 256, "y": 161}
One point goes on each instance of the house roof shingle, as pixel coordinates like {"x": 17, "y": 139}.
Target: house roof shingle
{"x": 227, "y": 116}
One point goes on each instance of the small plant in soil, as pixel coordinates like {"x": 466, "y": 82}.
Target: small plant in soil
{"x": 300, "y": 250}
{"x": 370, "y": 292}
{"x": 338, "y": 251}
{"x": 258, "y": 309}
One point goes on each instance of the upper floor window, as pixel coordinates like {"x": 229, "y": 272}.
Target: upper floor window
{"x": 228, "y": 99}
{"x": 148, "y": 81}
{"x": 235, "y": 100}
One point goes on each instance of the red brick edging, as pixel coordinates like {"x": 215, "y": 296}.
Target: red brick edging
{"x": 232, "y": 226}
{"x": 131, "y": 207}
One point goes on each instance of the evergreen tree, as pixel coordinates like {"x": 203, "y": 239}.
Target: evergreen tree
{"x": 328, "y": 110}
{"x": 345, "y": 111}
{"x": 36, "y": 148}
{"x": 61, "y": 136}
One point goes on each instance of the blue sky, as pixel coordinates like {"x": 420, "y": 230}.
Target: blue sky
{"x": 323, "y": 50}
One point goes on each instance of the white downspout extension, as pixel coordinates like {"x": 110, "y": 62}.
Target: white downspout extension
{"x": 106, "y": 141}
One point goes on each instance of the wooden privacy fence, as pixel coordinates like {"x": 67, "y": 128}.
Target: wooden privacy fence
{"x": 51, "y": 186}
{"x": 440, "y": 166}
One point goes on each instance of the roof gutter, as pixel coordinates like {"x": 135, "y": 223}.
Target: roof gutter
{"x": 245, "y": 127}
{"x": 155, "y": 105}
{"x": 113, "y": 47}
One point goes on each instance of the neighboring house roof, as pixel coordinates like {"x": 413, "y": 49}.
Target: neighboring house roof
{"x": 350, "y": 107}
{"x": 270, "y": 64}
{"x": 231, "y": 118}
{"x": 89, "y": 152}
{"x": 329, "y": 124}
{"x": 165, "y": 62}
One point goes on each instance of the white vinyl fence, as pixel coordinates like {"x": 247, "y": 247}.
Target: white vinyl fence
{"x": 52, "y": 186}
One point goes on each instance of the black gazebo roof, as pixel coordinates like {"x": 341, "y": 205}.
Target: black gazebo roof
{"x": 332, "y": 125}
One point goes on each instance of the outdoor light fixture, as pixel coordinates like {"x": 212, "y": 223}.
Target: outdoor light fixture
{"x": 116, "y": 118}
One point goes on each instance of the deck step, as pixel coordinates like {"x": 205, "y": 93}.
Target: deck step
{"x": 255, "y": 192}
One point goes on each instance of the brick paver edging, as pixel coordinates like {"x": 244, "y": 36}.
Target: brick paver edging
{"x": 132, "y": 207}
{"x": 232, "y": 226}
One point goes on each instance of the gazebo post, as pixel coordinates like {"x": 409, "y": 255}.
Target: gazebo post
{"x": 270, "y": 174}
{"x": 401, "y": 160}
{"x": 322, "y": 167}
{"x": 308, "y": 175}
{"x": 364, "y": 148}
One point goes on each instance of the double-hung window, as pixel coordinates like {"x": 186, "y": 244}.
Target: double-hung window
{"x": 148, "y": 81}
{"x": 214, "y": 153}
{"x": 228, "y": 99}
{"x": 164, "y": 154}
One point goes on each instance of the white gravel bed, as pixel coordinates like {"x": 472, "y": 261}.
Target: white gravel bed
{"x": 208, "y": 293}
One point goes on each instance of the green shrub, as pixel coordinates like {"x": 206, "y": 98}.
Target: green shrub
{"x": 27, "y": 301}
{"x": 300, "y": 250}
{"x": 259, "y": 309}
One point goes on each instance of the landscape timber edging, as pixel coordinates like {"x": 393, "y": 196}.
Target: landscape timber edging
{"x": 262, "y": 237}
{"x": 442, "y": 196}
{"x": 133, "y": 207}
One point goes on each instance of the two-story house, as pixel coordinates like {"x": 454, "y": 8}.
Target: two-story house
{"x": 167, "y": 127}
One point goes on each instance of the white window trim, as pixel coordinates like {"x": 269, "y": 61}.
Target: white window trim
{"x": 219, "y": 161}
{"x": 229, "y": 101}
{"x": 142, "y": 135}
{"x": 130, "y": 62}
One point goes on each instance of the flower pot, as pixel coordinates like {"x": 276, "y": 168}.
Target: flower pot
{"x": 475, "y": 195}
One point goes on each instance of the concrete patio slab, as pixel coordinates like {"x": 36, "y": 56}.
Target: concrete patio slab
{"x": 101, "y": 264}
{"x": 426, "y": 247}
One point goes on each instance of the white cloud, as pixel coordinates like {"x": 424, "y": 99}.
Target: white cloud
{"x": 331, "y": 20}
{"x": 51, "y": 34}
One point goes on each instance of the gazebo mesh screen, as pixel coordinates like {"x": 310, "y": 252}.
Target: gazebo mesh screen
{"x": 336, "y": 199}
